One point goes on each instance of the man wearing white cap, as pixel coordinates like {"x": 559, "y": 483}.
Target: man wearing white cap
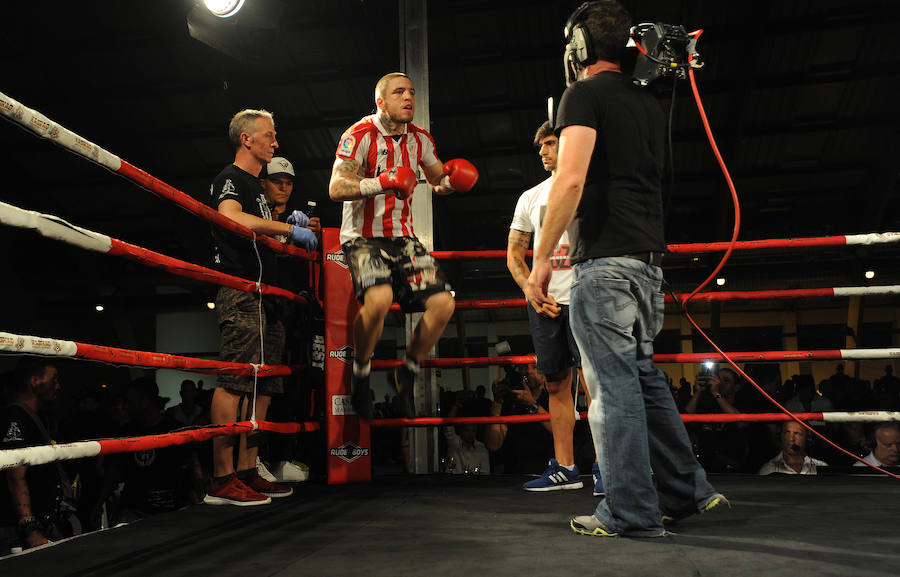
{"x": 278, "y": 185}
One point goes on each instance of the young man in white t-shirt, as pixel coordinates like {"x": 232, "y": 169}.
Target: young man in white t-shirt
{"x": 554, "y": 344}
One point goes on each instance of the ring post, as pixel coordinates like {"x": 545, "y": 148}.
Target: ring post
{"x": 349, "y": 437}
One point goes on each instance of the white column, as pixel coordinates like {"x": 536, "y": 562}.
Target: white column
{"x": 423, "y": 446}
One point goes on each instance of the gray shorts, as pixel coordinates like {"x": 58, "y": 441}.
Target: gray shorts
{"x": 239, "y": 323}
{"x": 403, "y": 263}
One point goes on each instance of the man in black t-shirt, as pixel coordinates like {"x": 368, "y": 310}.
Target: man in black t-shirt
{"x": 156, "y": 480}
{"x": 608, "y": 183}
{"x": 29, "y": 496}
{"x": 236, "y": 193}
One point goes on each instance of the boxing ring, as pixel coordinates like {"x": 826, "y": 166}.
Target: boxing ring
{"x": 441, "y": 524}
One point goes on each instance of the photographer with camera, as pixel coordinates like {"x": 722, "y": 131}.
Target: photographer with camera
{"x": 608, "y": 194}
{"x": 721, "y": 447}
{"x": 523, "y": 447}
{"x": 715, "y": 393}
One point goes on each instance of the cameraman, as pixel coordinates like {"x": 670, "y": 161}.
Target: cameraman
{"x": 716, "y": 393}
{"x": 609, "y": 187}
{"x": 523, "y": 447}
{"x": 721, "y": 447}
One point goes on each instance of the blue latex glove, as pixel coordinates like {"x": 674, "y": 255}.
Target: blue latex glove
{"x": 304, "y": 237}
{"x": 298, "y": 218}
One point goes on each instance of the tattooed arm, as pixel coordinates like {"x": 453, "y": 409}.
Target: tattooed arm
{"x": 21, "y": 499}
{"x": 345, "y": 179}
{"x": 516, "y": 249}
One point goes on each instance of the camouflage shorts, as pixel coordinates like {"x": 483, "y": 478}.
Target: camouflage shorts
{"x": 401, "y": 262}
{"x": 239, "y": 315}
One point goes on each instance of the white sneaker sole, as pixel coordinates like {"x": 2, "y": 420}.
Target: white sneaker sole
{"x": 211, "y": 500}
{"x": 278, "y": 495}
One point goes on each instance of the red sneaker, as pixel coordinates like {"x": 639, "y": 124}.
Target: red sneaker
{"x": 234, "y": 492}
{"x": 267, "y": 488}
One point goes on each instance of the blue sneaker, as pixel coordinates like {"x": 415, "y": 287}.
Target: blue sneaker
{"x": 555, "y": 478}
{"x": 598, "y": 480}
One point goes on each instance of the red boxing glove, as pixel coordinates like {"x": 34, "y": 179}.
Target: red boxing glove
{"x": 400, "y": 179}
{"x": 460, "y": 174}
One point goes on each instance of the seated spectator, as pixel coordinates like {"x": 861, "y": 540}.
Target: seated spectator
{"x": 481, "y": 405}
{"x": 763, "y": 438}
{"x": 188, "y": 410}
{"x": 682, "y": 394}
{"x": 887, "y": 446}
{"x": 887, "y": 390}
{"x": 721, "y": 447}
{"x": 839, "y": 379}
{"x": 156, "y": 480}
{"x": 807, "y": 399}
{"x": 520, "y": 447}
{"x": 464, "y": 450}
{"x": 859, "y": 396}
{"x": 792, "y": 460}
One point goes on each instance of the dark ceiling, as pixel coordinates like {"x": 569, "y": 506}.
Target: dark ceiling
{"x": 801, "y": 95}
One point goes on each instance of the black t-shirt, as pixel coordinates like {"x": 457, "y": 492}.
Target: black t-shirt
{"x": 234, "y": 254}
{"x": 19, "y": 430}
{"x": 621, "y": 208}
{"x": 156, "y": 480}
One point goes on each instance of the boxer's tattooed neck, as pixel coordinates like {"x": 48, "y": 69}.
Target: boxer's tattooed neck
{"x": 345, "y": 180}
{"x": 389, "y": 125}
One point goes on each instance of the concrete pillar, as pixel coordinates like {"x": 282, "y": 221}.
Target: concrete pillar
{"x": 423, "y": 446}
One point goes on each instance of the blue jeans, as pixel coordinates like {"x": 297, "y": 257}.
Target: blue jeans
{"x": 616, "y": 311}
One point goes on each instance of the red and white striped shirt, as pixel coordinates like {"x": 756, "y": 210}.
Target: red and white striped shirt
{"x": 368, "y": 143}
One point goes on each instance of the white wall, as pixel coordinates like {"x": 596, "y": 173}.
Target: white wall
{"x": 188, "y": 333}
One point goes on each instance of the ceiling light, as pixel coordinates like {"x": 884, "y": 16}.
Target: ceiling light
{"x": 99, "y": 308}
{"x": 720, "y": 281}
{"x": 223, "y": 8}
{"x": 211, "y": 306}
{"x": 870, "y": 274}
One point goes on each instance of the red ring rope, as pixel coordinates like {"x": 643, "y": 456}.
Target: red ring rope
{"x": 864, "y": 416}
{"x": 48, "y": 129}
{"x": 700, "y": 247}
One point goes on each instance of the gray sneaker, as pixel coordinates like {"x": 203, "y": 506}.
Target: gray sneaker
{"x": 590, "y": 525}
{"x": 704, "y": 506}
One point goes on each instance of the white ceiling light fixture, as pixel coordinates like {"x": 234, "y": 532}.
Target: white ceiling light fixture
{"x": 211, "y": 306}
{"x": 99, "y": 308}
{"x": 223, "y": 8}
{"x": 870, "y": 274}
{"x": 720, "y": 281}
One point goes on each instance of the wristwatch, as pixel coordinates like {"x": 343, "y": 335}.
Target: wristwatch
{"x": 533, "y": 409}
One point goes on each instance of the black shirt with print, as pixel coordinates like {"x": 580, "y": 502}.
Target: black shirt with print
{"x": 233, "y": 254}
{"x": 19, "y": 430}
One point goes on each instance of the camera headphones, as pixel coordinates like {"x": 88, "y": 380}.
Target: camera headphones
{"x": 579, "y": 50}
